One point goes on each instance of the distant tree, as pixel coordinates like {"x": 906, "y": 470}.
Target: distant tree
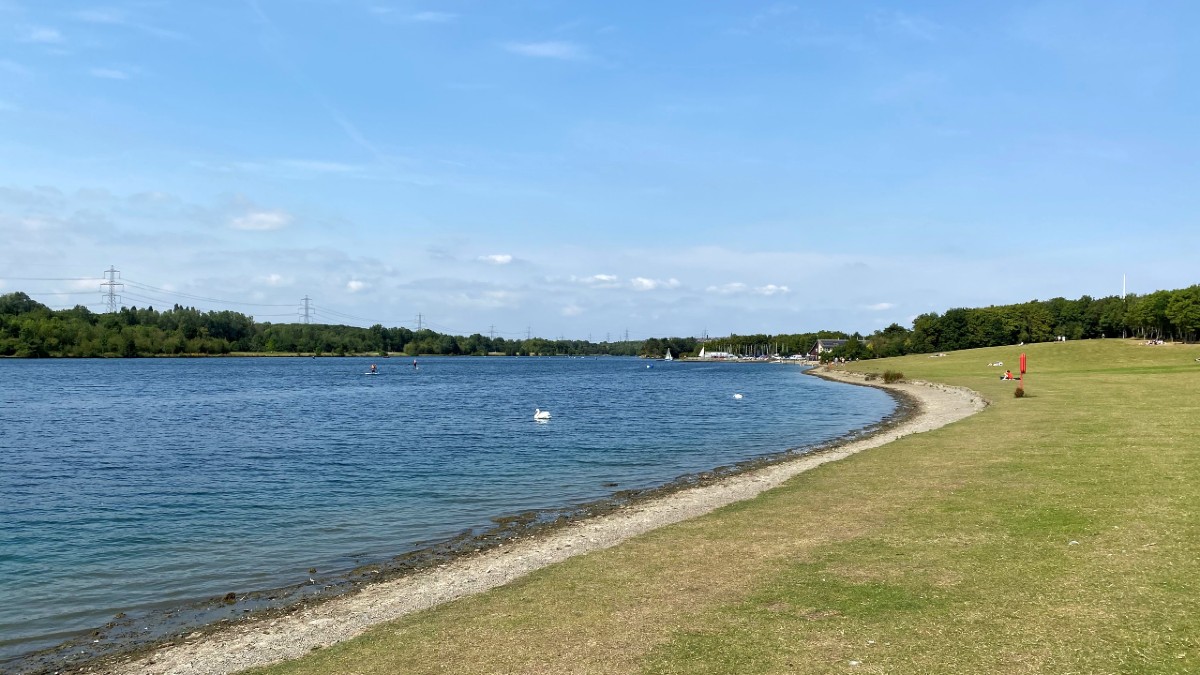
{"x": 1183, "y": 311}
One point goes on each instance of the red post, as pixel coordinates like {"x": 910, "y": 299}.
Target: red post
{"x": 1022, "y": 369}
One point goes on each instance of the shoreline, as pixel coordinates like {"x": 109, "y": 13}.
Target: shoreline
{"x": 290, "y": 632}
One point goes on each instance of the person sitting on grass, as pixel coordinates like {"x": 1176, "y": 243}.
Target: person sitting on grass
{"x": 1007, "y": 375}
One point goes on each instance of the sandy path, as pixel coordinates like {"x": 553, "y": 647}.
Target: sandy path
{"x": 266, "y": 641}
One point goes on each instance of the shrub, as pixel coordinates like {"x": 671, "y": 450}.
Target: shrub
{"x": 892, "y": 376}
{"x": 1019, "y": 393}
{"x": 871, "y": 377}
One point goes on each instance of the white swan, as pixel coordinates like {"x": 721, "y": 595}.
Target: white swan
{"x": 738, "y": 396}
{"x": 539, "y": 414}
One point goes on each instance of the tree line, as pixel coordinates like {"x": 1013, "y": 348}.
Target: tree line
{"x": 1161, "y": 315}
{"x": 30, "y": 329}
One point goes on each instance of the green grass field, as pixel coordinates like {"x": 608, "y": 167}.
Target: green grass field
{"x": 1057, "y": 533}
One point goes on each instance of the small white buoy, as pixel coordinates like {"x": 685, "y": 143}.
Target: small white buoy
{"x": 737, "y": 396}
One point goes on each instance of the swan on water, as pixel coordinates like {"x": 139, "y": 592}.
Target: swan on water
{"x": 737, "y": 395}
{"x": 539, "y": 414}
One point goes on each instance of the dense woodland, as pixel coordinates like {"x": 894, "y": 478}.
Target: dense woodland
{"x": 30, "y": 329}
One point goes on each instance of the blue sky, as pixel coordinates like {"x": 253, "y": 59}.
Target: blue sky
{"x": 582, "y": 168}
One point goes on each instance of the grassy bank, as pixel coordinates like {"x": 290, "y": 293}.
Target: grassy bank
{"x": 1053, "y": 533}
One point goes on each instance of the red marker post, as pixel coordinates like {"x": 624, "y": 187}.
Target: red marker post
{"x": 1022, "y": 369}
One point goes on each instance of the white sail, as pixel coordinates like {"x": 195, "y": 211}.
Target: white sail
{"x": 668, "y": 356}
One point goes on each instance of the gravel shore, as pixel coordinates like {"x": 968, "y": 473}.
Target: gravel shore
{"x": 269, "y": 640}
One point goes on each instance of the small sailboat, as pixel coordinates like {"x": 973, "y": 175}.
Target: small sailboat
{"x": 668, "y": 357}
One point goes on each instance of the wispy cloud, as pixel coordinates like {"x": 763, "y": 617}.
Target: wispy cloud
{"x": 318, "y": 166}
{"x": 347, "y": 127}
{"x": 14, "y": 68}
{"x": 771, "y": 14}
{"x": 413, "y": 17}
{"x": 739, "y": 288}
{"x": 728, "y": 289}
{"x": 109, "y": 73}
{"x": 281, "y": 168}
{"x": 432, "y": 17}
{"x": 907, "y": 25}
{"x": 563, "y": 51}
{"x": 43, "y": 35}
{"x": 915, "y": 85}
{"x": 881, "y": 306}
{"x": 261, "y": 221}
{"x": 354, "y": 285}
{"x": 645, "y": 284}
{"x": 497, "y": 258}
{"x": 117, "y": 17}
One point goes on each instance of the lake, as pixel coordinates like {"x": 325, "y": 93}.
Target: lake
{"x": 135, "y": 487}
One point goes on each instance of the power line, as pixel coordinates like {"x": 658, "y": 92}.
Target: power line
{"x": 199, "y": 297}
{"x": 65, "y": 307}
{"x": 138, "y": 296}
{"x": 54, "y": 278}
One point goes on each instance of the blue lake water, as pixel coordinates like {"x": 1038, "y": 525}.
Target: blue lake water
{"x": 137, "y": 485}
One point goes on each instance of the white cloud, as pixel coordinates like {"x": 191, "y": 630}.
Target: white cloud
{"x": 109, "y": 73}
{"x": 737, "y": 288}
{"x": 261, "y": 221}
{"x": 354, "y": 285}
{"x": 273, "y": 279}
{"x": 432, "y": 17}
{"x": 572, "y": 310}
{"x": 497, "y": 258}
{"x": 43, "y": 35}
{"x": 565, "y": 51}
{"x": 728, "y": 289}
{"x": 880, "y": 306}
{"x": 644, "y": 284}
{"x": 771, "y": 289}
{"x": 597, "y": 280}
